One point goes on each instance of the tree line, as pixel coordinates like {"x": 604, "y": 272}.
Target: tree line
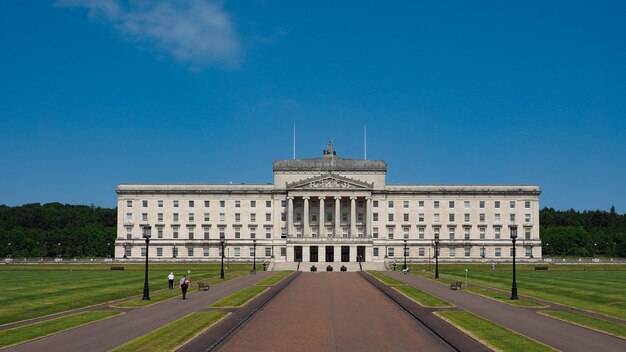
{"x": 55, "y": 229}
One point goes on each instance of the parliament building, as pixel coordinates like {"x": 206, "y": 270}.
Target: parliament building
{"x": 327, "y": 209}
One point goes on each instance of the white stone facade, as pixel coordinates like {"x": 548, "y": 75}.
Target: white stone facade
{"x": 362, "y": 217}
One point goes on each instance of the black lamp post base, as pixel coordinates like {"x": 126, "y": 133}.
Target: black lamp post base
{"x": 514, "y": 292}
{"x": 146, "y": 293}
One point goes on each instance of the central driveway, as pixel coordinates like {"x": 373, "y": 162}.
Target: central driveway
{"x": 333, "y": 312}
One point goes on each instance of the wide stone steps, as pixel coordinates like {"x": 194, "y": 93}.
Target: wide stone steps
{"x": 321, "y": 266}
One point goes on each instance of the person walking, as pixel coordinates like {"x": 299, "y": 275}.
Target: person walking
{"x": 170, "y": 279}
{"x": 184, "y": 284}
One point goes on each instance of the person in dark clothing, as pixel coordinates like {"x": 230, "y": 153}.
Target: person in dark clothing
{"x": 184, "y": 285}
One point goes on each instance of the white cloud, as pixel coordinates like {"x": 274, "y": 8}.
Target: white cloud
{"x": 195, "y": 32}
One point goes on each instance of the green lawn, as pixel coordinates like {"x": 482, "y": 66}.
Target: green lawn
{"x": 174, "y": 334}
{"x": 421, "y": 297}
{"x": 597, "y": 288}
{"x": 274, "y": 279}
{"x": 37, "y": 330}
{"x": 384, "y": 278}
{"x": 240, "y": 297}
{"x": 31, "y": 291}
{"x": 587, "y": 321}
{"x": 493, "y": 335}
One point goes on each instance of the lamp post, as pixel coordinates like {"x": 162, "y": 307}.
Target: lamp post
{"x": 436, "y": 256}
{"x": 513, "y": 229}
{"x": 146, "y": 288}
{"x": 404, "y": 267}
{"x": 222, "y": 242}
{"x": 254, "y": 255}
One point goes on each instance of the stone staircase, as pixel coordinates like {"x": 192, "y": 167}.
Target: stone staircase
{"x": 321, "y": 266}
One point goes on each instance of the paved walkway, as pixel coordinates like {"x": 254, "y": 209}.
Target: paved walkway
{"x": 110, "y": 333}
{"x": 333, "y": 312}
{"x": 552, "y": 332}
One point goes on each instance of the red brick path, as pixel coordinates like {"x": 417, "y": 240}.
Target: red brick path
{"x": 333, "y": 312}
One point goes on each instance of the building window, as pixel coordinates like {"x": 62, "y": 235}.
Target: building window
{"x": 375, "y": 251}
{"x": 129, "y": 216}
{"x": 481, "y": 217}
{"x": 375, "y": 217}
{"x": 252, "y": 232}
{"x": 329, "y": 217}
{"x": 251, "y": 251}
{"x": 405, "y": 204}
{"x": 375, "y": 232}
{"x": 482, "y": 252}
{"x": 496, "y": 233}
{"x": 253, "y": 217}
{"x": 527, "y": 217}
{"x": 405, "y": 231}
{"x": 512, "y": 217}
{"x": 390, "y": 252}
{"x": 452, "y": 252}
{"x": 481, "y": 204}
{"x": 283, "y": 203}
{"x": 160, "y": 203}
{"x": 175, "y": 203}
{"x": 237, "y": 204}
{"x": 467, "y": 251}
{"x": 467, "y": 233}
{"x": 390, "y": 204}
{"x": 144, "y": 216}
{"x": 205, "y": 251}
{"x": 390, "y": 233}
{"x": 207, "y": 204}
{"x": 466, "y": 217}
{"x": 299, "y": 217}
{"x": 405, "y": 217}
{"x": 358, "y": 204}
{"x": 129, "y": 204}
{"x": 527, "y": 204}
{"x": 421, "y": 251}
{"x": 436, "y": 217}
{"x": 481, "y": 232}
{"x": 159, "y": 232}
{"x": 191, "y": 203}
{"x": 268, "y": 251}
{"x": 175, "y": 217}
{"x": 512, "y": 204}
{"x": 511, "y": 252}
{"x": 222, "y": 233}
{"x": 420, "y": 233}
{"x": 527, "y": 233}
{"x": 129, "y": 233}
{"x": 390, "y": 216}
{"x": 191, "y": 217}
{"x": 143, "y": 251}
{"x": 268, "y": 203}
{"x": 253, "y": 204}
{"x": 283, "y": 251}
{"x": 529, "y": 252}
{"x": 359, "y": 217}
{"x": 420, "y": 204}
{"x": 207, "y": 232}
{"x": 496, "y": 217}
{"x": 144, "y": 203}
{"x": 375, "y": 204}
{"x": 466, "y": 204}
{"x": 420, "y": 217}
{"x": 222, "y": 204}
{"x": 283, "y": 216}
{"x": 174, "y": 232}
{"x": 207, "y": 217}
{"x": 451, "y": 204}
{"x": 237, "y": 217}
{"x": 451, "y": 217}
{"x": 451, "y": 233}
{"x": 160, "y": 217}
{"x": 128, "y": 251}
{"x": 344, "y": 217}
{"x": 222, "y": 217}
{"x": 436, "y": 204}
{"x": 190, "y": 251}
{"x": 496, "y": 204}
{"x": 191, "y": 230}
{"x": 237, "y": 232}
{"x": 268, "y": 232}
{"x": 268, "y": 216}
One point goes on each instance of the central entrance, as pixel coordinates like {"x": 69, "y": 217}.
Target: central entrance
{"x": 330, "y": 253}
{"x": 360, "y": 253}
{"x": 345, "y": 253}
{"x": 313, "y": 253}
{"x": 297, "y": 253}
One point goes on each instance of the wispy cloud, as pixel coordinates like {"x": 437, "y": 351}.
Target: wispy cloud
{"x": 195, "y": 32}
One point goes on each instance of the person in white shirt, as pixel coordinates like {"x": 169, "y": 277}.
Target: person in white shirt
{"x": 170, "y": 278}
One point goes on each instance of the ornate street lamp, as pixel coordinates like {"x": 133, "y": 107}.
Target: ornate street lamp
{"x": 513, "y": 229}
{"x": 404, "y": 267}
{"x": 254, "y": 255}
{"x": 222, "y": 242}
{"x": 146, "y": 289}
{"x": 436, "y": 256}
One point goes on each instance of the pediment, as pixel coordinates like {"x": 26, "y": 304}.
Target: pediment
{"x": 330, "y": 181}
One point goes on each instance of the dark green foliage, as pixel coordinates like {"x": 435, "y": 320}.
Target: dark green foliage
{"x": 583, "y": 234}
{"x": 53, "y": 229}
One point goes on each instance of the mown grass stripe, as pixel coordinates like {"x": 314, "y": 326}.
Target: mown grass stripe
{"x": 239, "y": 298}
{"x": 421, "y": 297}
{"x": 586, "y": 321}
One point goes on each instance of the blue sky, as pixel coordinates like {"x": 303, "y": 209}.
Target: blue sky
{"x": 97, "y": 93}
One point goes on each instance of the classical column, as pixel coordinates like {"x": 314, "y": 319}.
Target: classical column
{"x": 337, "y": 216}
{"x": 305, "y": 222}
{"x": 352, "y": 216}
{"x": 290, "y": 216}
{"x": 368, "y": 217}
{"x": 322, "y": 228}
